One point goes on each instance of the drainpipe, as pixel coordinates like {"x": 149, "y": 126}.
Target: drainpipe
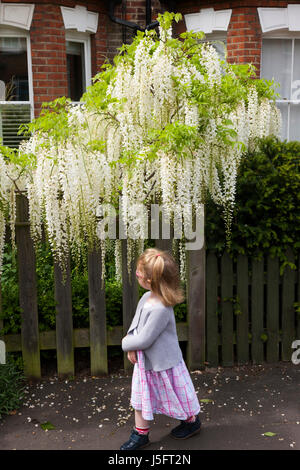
{"x": 111, "y": 7}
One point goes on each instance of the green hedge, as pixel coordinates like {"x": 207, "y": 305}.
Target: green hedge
{"x": 12, "y": 386}
{"x": 266, "y": 219}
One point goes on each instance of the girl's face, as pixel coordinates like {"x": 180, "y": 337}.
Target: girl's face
{"x": 142, "y": 278}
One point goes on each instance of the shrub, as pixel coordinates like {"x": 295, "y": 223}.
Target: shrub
{"x": 266, "y": 217}
{"x": 12, "y": 386}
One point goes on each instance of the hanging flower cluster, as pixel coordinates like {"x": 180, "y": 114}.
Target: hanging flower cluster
{"x": 167, "y": 123}
{"x": 12, "y": 179}
{"x": 4, "y": 195}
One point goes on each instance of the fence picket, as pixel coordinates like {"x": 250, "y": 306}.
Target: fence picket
{"x": 212, "y": 317}
{"x": 227, "y": 309}
{"x": 164, "y": 244}
{"x": 97, "y": 315}
{"x": 64, "y": 323}
{"x": 298, "y": 300}
{"x": 242, "y": 320}
{"x": 130, "y": 295}
{"x": 288, "y": 310}
{"x": 195, "y": 260}
{"x": 272, "y": 354}
{"x": 27, "y": 291}
{"x": 257, "y": 311}
{"x": 1, "y": 321}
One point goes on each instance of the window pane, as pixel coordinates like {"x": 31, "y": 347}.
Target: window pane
{"x": 296, "y": 71}
{"x": 284, "y": 116}
{"x": 277, "y": 63}
{"x": 11, "y": 117}
{"x": 13, "y": 69}
{"x": 220, "y": 47}
{"x": 76, "y": 70}
{"x": 295, "y": 122}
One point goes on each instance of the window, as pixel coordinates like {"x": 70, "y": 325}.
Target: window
{"x": 78, "y": 64}
{"x": 281, "y": 61}
{"x": 214, "y": 24}
{"x": 13, "y": 69}
{"x": 16, "y": 95}
{"x": 219, "y": 41}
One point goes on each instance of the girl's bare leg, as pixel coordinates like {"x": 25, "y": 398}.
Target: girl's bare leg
{"x": 140, "y": 422}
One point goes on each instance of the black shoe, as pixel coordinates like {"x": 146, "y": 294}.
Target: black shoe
{"x": 136, "y": 441}
{"x": 186, "y": 430}
{"x": 180, "y": 426}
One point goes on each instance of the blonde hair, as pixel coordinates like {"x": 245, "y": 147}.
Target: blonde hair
{"x": 162, "y": 271}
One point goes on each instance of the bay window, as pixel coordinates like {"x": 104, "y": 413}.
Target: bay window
{"x": 281, "y": 61}
{"x": 78, "y": 50}
{"x": 16, "y": 95}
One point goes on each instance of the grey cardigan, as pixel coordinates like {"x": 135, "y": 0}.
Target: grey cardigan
{"x": 156, "y": 335}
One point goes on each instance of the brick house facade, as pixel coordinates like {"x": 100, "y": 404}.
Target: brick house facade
{"x": 52, "y": 49}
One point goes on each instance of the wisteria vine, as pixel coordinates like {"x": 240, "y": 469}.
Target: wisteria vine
{"x": 168, "y": 122}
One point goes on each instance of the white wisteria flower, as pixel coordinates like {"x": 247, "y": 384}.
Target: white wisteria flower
{"x": 157, "y": 126}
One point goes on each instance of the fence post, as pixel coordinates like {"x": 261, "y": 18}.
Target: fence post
{"x": 227, "y": 309}
{"x": 27, "y": 290}
{"x": 164, "y": 244}
{"x": 212, "y": 320}
{"x": 195, "y": 287}
{"x": 129, "y": 295}
{"x": 298, "y": 297}
{"x": 288, "y": 310}
{"x": 272, "y": 309}
{"x": 242, "y": 333}
{"x": 257, "y": 311}
{"x": 97, "y": 310}
{"x": 64, "y": 323}
{"x": 1, "y": 321}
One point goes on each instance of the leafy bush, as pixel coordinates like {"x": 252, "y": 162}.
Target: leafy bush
{"x": 267, "y": 213}
{"x": 12, "y": 386}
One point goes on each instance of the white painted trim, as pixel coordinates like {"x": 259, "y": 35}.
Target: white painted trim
{"x": 30, "y": 79}
{"x": 282, "y": 34}
{"x": 288, "y": 102}
{"x": 14, "y": 32}
{"x": 272, "y": 19}
{"x": 293, "y": 13}
{"x": 86, "y": 40}
{"x": 208, "y": 20}
{"x": 80, "y": 19}
{"x": 16, "y": 14}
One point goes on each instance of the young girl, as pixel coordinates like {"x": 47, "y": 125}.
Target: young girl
{"x": 161, "y": 383}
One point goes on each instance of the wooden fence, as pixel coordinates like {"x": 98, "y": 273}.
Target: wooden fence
{"x": 237, "y": 313}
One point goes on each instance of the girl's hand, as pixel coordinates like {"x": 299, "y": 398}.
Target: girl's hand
{"x": 132, "y": 357}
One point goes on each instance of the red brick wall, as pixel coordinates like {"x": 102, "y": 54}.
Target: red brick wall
{"x": 48, "y": 35}
{"x": 133, "y": 11}
{"x": 48, "y": 46}
{"x": 244, "y": 36}
{"x": 48, "y": 50}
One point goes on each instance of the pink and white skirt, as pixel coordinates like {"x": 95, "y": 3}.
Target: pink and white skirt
{"x": 170, "y": 392}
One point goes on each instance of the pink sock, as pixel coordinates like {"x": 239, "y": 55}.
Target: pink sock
{"x": 142, "y": 430}
{"x": 191, "y": 419}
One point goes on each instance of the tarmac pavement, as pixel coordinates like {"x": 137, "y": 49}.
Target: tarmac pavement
{"x": 240, "y": 406}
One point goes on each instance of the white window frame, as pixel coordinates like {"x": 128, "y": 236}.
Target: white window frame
{"x": 85, "y": 39}
{"x": 284, "y": 34}
{"x": 9, "y": 31}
